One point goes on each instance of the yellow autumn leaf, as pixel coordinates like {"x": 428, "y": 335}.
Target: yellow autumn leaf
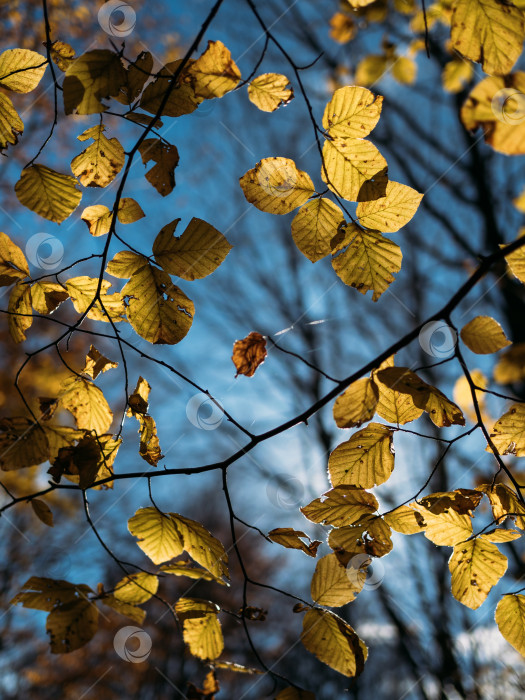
{"x": 404, "y": 70}
{"x": 516, "y": 260}
{"x": 20, "y": 312}
{"x": 405, "y": 520}
{"x": 508, "y": 433}
{"x": 342, "y": 28}
{"x": 501, "y": 535}
{"x": 497, "y": 105}
{"x": 82, "y": 291}
{"x": 391, "y": 212}
{"x": 342, "y": 505}
{"x": 98, "y": 219}
{"x": 214, "y": 73}
{"x": 182, "y": 98}
{"x": 194, "y": 254}
{"x": 22, "y": 443}
{"x": 510, "y": 619}
{"x": 293, "y": 539}
{"x": 354, "y": 169}
{"x": 97, "y": 363}
{"x": 456, "y": 75}
{"x": 365, "y": 460}
{"x": 201, "y": 628}
{"x": 511, "y": 365}
{"x": 357, "y": 404}
{"x": 13, "y": 263}
{"x": 476, "y": 566}
{"x": 446, "y": 528}
{"x": 166, "y": 158}
{"x": 134, "y": 613}
{"x": 394, "y": 406}
{"x": 48, "y": 193}
{"x": 136, "y": 588}
{"x": 463, "y": 395}
{"x": 270, "y": 91}
{"x": 484, "y": 335}
{"x": 352, "y": 112}
{"x": 90, "y": 78}
{"x": 504, "y": 503}
{"x": 333, "y": 642}
{"x": 21, "y": 69}
{"x": 463, "y": 501}
{"x": 365, "y": 260}
{"x": 370, "y": 69}
{"x": 314, "y": 226}
{"x": 488, "y": 32}
{"x": 186, "y": 568}
{"x": 11, "y": 126}
{"x": 47, "y": 296}
{"x": 86, "y": 403}
{"x": 129, "y": 211}
{"x": 100, "y": 163}
{"x": 70, "y": 626}
{"x": 156, "y": 533}
{"x": 62, "y": 54}
{"x": 201, "y": 545}
{"x": 333, "y": 585}
{"x": 136, "y": 75}
{"x": 149, "y": 447}
{"x": 371, "y": 535}
{"x": 158, "y": 310}
{"x": 276, "y": 185}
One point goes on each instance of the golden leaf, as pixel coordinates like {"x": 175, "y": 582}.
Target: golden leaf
{"x": 90, "y": 78}
{"x": 342, "y": 505}
{"x": 484, "y": 335}
{"x": 333, "y": 584}
{"x": 13, "y": 263}
{"x": 352, "y": 113}
{"x": 96, "y": 363}
{"x": 100, "y": 163}
{"x": 354, "y": 169}
{"x": 508, "y": 433}
{"x": 510, "y": 619}
{"x": 365, "y": 460}
{"x": 270, "y": 91}
{"x": 201, "y": 628}
{"x": 98, "y": 219}
{"x": 157, "y": 535}
{"x": 334, "y": 642}
{"x": 391, "y": 212}
{"x": 214, "y": 73}
{"x": 21, "y": 69}
{"x": 249, "y": 353}
{"x": 82, "y": 291}
{"x": 314, "y": 226}
{"x": 476, "y": 566}
{"x": 48, "y": 193}
{"x": 11, "y": 126}
{"x": 86, "y": 403}
{"x": 276, "y": 186}
{"x": 357, "y": 404}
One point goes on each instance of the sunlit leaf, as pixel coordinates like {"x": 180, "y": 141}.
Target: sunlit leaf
{"x": 201, "y": 627}
{"x": 83, "y": 291}
{"x": 182, "y": 98}
{"x": 394, "y": 406}
{"x": 504, "y": 503}
{"x": 23, "y": 443}
{"x": 463, "y": 394}
{"x": 484, "y": 335}
{"x": 342, "y": 28}
{"x": 13, "y": 263}
{"x": 90, "y": 78}
{"x": 157, "y": 535}
{"x": 166, "y": 158}
{"x": 48, "y": 193}
{"x": 99, "y": 163}
{"x": 21, "y": 69}
{"x": 47, "y": 296}
{"x": 446, "y": 528}
{"x": 354, "y": 169}
{"x": 129, "y": 211}
{"x": 456, "y": 75}
{"x": 215, "y": 72}
{"x": 510, "y": 619}
{"x": 333, "y": 585}
{"x": 270, "y": 91}
{"x": 352, "y": 112}
{"x": 357, "y": 404}
{"x": 86, "y": 403}
{"x": 276, "y": 185}
{"x": 136, "y": 588}
{"x": 476, "y": 566}
{"x": 391, "y": 212}
{"x": 405, "y": 520}
{"x": 334, "y": 642}
{"x": 365, "y": 460}
{"x": 20, "y": 312}
{"x": 293, "y": 539}
{"x": 11, "y": 126}
{"x": 98, "y": 219}
{"x": 314, "y": 226}
{"x": 508, "y": 433}
{"x": 342, "y": 505}
{"x": 201, "y": 545}
{"x": 72, "y": 625}
{"x": 96, "y": 363}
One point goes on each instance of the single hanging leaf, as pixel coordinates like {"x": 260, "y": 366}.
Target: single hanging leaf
{"x": 508, "y": 433}
{"x": 476, "y": 566}
{"x": 354, "y": 169}
{"x": 47, "y": 296}
{"x": 510, "y": 619}
{"x": 138, "y": 401}
{"x": 136, "y": 588}
{"x": 276, "y": 186}
{"x": 86, "y": 403}
{"x": 62, "y": 54}
{"x": 511, "y": 365}
{"x": 201, "y": 545}
{"x": 96, "y": 363}
{"x": 214, "y": 73}
{"x": 100, "y": 163}
{"x": 158, "y": 310}
{"x": 195, "y": 254}
{"x": 516, "y": 260}
{"x": 149, "y": 448}
{"x": 352, "y": 112}
{"x": 11, "y": 126}
{"x": 22, "y": 444}
{"x": 504, "y": 503}
{"x": 20, "y": 312}
{"x": 249, "y": 353}
{"x": 357, "y": 404}
{"x": 342, "y": 505}
{"x": 201, "y": 628}
{"x": 42, "y": 511}
{"x": 365, "y": 460}
{"x": 71, "y": 626}
{"x": 182, "y": 98}
{"x": 334, "y": 642}
{"x": 129, "y": 211}
{"x": 270, "y": 91}
{"x": 333, "y": 585}
{"x": 391, "y": 212}
{"x": 488, "y": 32}
{"x": 484, "y": 335}
{"x": 394, "y": 406}
{"x": 166, "y": 158}
{"x": 13, "y": 263}
{"x": 157, "y": 535}
{"x": 365, "y": 260}
{"x": 21, "y": 69}
{"x": 48, "y": 193}
{"x": 95, "y": 75}
{"x": 98, "y": 219}
{"x": 314, "y": 226}
{"x": 82, "y": 291}
{"x": 293, "y": 539}
{"x": 496, "y": 105}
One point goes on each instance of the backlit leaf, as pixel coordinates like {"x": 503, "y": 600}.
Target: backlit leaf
{"x": 92, "y": 77}
{"x": 82, "y": 291}
{"x": 99, "y": 163}
{"x": 98, "y": 219}
{"x": 201, "y": 627}
{"x": 11, "y": 126}
{"x": 47, "y": 296}
{"x": 314, "y": 226}
{"x": 270, "y": 91}
{"x": 511, "y": 365}
{"x": 405, "y": 520}
{"x": 129, "y": 211}
{"x": 136, "y": 588}
{"x": 186, "y": 568}
{"x": 391, "y": 212}
{"x": 157, "y": 535}
{"x": 484, "y": 335}
{"x": 48, "y": 193}
{"x": 334, "y": 642}
{"x": 276, "y": 185}
{"x": 476, "y": 566}
{"x": 352, "y": 112}
{"x": 365, "y": 460}
{"x": 21, "y": 69}
{"x": 201, "y": 545}
{"x": 510, "y": 618}
{"x": 456, "y": 75}
{"x": 508, "y": 433}
{"x": 354, "y": 169}
{"x": 20, "y": 312}
{"x": 249, "y": 353}
{"x": 357, "y": 404}
{"x": 97, "y": 363}
{"x": 166, "y": 158}
{"x": 22, "y": 443}
{"x": 13, "y": 263}
{"x": 72, "y": 625}
{"x": 446, "y": 528}
{"x": 214, "y": 73}
{"x": 342, "y": 505}
{"x": 182, "y": 98}
{"x": 333, "y": 585}
{"x": 394, "y": 406}
{"x": 86, "y": 403}
{"x": 293, "y": 539}
{"x": 516, "y": 261}
{"x": 504, "y": 503}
